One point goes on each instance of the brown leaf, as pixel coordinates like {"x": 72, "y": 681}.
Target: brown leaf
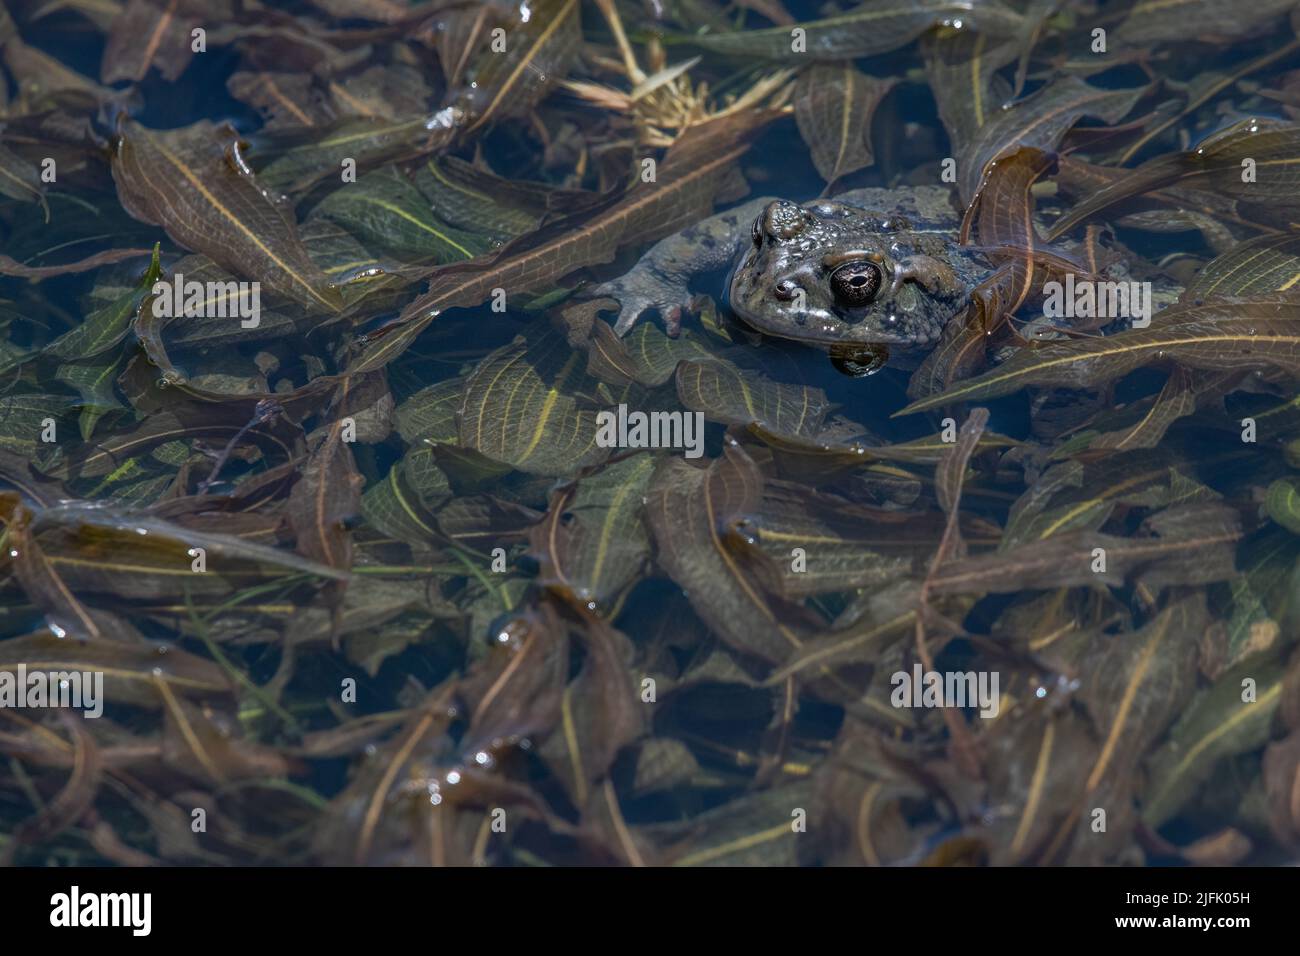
{"x": 1231, "y": 333}
{"x": 203, "y": 744}
{"x": 692, "y": 513}
{"x": 327, "y": 495}
{"x": 540, "y": 45}
{"x": 833, "y": 105}
{"x": 514, "y": 693}
{"x": 600, "y": 712}
{"x": 150, "y": 33}
{"x": 192, "y": 182}
{"x": 45, "y": 586}
{"x": 1039, "y": 121}
{"x": 686, "y": 181}
{"x": 77, "y": 795}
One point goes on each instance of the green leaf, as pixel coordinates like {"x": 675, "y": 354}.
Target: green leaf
{"x": 384, "y": 210}
{"x": 1217, "y": 723}
{"x": 1283, "y": 503}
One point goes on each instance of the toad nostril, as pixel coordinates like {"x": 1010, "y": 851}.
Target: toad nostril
{"x": 785, "y": 290}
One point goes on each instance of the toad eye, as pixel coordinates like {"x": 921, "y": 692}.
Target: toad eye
{"x": 856, "y": 283}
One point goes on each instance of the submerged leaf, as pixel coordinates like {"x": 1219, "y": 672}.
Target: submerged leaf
{"x": 692, "y": 513}
{"x": 1220, "y": 722}
{"x": 592, "y": 542}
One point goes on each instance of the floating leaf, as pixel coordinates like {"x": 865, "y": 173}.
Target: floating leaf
{"x": 725, "y": 393}
{"x": 876, "y": 26}
{"x": 1262, "y": 264}
{"x": 508, "y": 83}
{"x": 384, "y": 210}
{"x": 1155, "y": 21}
{"x": 133, "y": 673}
{"x": 1039, "y": 122}
{"x": 834, "y": 106}
{"x": 188, "y": 181}
{"x": 1229, "y": 333}
{"x": 682, "y": 192}
{"x": 1215, "y": 165}
{"x": 522, "y": 406}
